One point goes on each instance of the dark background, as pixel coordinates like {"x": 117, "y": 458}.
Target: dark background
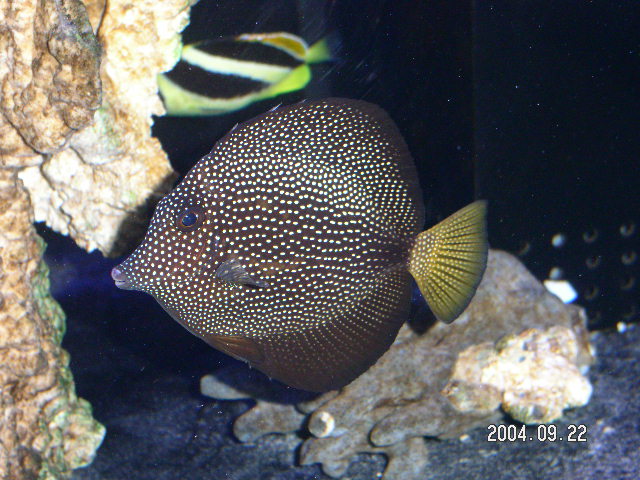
{"x": 556, "y": 141}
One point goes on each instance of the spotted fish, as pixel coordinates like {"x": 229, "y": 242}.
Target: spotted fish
{"x": 292, "y": 244}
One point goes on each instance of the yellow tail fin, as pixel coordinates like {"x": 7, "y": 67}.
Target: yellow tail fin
{"x": 448, "y": 260}
{"x": 296, "y": 80}
{"x": 319, "y": 52}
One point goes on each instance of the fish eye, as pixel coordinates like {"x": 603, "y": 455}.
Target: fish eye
{"x": 190, "y": 218}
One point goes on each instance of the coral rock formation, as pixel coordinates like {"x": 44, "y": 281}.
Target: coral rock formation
{"x": 400, "y": 400}
{"x": 95, "y": 189}
{"x": 534, "y": 375}
{"x": 49, "y": 76}
{"x": 75, "y": 152}
{"x": 45, "y": 430}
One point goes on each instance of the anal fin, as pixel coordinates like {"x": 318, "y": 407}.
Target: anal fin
{"x": 239, "y": 347}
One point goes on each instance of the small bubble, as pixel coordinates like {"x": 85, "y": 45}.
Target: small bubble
{"x": 556, "y": 273}
{"x": 630, "y": 312}
{"x": 593, "y": 262}
{"x": 591, "y": 292}
{"x": 629, "y": 258}
{"x": 559, "y": 240}
{"x": 627, "y": 229}
{"x": 523, "y": 249}
{"x": 590, "y": 236}
{"x": 627, "y": 283}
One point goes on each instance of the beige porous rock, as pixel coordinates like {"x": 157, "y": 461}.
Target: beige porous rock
{"x": 535, "y": 375}
{"x": 45, "y": 430}
{"x": 49, "y": 77}
{"x": 99, "y": 189}
{"x": 393, "y": 406}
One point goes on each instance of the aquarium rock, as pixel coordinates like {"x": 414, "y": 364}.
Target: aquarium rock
{"x": 96, "y": 183}
{"x": 45, "y": 429}
{"x": 534, "y": 375}
{"x": 49, "y": 76}
{"x": 402, "y": 398}
{"x": 75, "y": 152}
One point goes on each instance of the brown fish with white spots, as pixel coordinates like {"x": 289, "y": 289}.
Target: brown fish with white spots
{"x": 292, "y": 244}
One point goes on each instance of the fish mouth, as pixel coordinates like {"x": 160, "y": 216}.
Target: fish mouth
{"x": 120, "y": 278}
{"x": 124, "y": 282}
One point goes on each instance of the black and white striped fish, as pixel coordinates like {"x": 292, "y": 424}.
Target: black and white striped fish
{"x": 292, "y": 244}
{"x": 218, "y": 76}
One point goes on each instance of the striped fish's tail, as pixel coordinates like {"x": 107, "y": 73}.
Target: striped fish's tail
{"x": 319, "y": 52}
{"x": 448, "y": 260}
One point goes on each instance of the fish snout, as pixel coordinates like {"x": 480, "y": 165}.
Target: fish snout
{"x": 121, "y": 279}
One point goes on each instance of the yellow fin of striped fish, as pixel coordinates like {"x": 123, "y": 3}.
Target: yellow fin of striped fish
{"x": 319, "y": 52}
{"x": 296, "y": 80}
{"x": 448, "y": 261}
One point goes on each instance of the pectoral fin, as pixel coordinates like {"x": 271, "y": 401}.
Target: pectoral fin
{"x": 233, "y": 271}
